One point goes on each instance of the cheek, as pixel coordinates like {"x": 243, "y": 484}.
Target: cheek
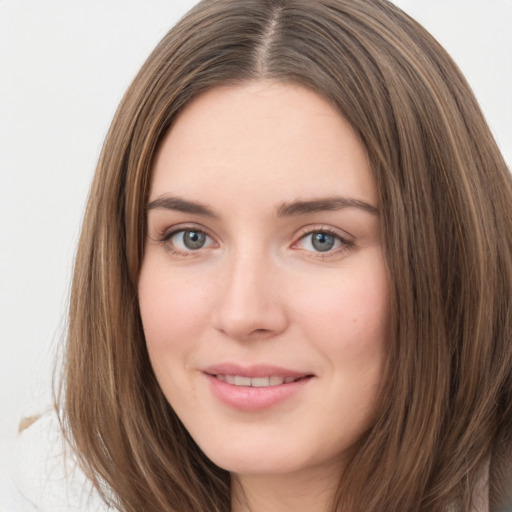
{"x": 353, "y": 309}
{"x": 173, "y": 310}
{"x": 347, "y": 319}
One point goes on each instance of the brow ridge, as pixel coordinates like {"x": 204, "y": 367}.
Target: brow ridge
{"x": 181, "y": 205}
{"x": 324, "y": 204}
{"x": 293, "y": 208}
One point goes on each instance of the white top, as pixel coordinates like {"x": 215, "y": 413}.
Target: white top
{"x": 43, "y": 475}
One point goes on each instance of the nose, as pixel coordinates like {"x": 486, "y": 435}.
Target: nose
{"x": 251, "y": 302}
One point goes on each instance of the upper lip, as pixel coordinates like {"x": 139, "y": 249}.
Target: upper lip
{"x": 253, "y": 370}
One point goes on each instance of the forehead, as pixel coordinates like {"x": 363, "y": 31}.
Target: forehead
{"x": 282, "y": 140}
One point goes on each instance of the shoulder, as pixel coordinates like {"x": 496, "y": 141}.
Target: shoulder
{"x": 43, "y": 474}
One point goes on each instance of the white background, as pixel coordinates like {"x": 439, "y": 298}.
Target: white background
{"x": 64, "y": 66}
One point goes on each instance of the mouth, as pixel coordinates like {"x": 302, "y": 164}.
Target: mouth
{"x": 257, "y": 382}
{"x": 253, "y": 388}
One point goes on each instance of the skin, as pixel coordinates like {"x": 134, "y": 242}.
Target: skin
{"x": 260, "y": 292}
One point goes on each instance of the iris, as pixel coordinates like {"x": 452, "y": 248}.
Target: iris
{"x": 322, "y": 241}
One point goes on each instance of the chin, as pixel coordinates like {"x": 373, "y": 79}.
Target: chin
{"x": 260, "y": 458}
{"x": 252, "y": 465}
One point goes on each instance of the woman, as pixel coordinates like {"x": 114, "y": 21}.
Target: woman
{"x": 293, "y": 286}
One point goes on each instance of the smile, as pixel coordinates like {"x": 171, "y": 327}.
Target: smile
{"x": 255, "y": 388}
{"x": 256, "y": 382}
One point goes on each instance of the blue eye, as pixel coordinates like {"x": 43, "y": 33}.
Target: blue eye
{"x": 320, "y": 241}
{"x": 190, "y": 240}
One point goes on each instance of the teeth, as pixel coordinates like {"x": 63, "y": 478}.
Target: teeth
{"x": 227, "y": 378}
{"x": 260, "y": 382}
{"x": 242, "y": 381}
{"x": 256, "y": 382}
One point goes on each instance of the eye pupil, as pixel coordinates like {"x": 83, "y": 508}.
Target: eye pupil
{"x": 322, "y": 241}
{"x": 194, "y": 239}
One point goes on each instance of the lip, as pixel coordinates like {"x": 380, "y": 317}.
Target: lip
{"x": 253, "y": 399}
{"x": 257, "y": 370}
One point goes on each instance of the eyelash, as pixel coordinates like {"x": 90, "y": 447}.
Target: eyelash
{"x": 166, "y": 236}
{"x": 345, "y": 245}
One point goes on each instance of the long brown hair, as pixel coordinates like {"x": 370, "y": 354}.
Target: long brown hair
{"x": 445, "y": 412}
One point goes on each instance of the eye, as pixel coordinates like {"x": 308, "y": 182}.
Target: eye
{"x": 322, "y": 241}
{"x": 187, "y": 240}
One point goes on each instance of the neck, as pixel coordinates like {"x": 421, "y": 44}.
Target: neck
{"x": 304, "y": 492}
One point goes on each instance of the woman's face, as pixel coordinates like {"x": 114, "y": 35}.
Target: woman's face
{"x": 263, "y": 290}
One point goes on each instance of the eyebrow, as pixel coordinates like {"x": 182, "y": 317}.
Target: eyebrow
{"x": 181, "y": 205}
{"x": 324, "y": 204}
{"x": 285, "y": 210}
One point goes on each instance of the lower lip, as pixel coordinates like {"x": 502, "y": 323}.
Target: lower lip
{"x": 251, "y": 399}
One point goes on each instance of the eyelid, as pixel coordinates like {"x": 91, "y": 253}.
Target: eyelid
{"x": 347, "y": 242}
{"x": 164, "y": 236}
{"x": 324, "y": 228}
